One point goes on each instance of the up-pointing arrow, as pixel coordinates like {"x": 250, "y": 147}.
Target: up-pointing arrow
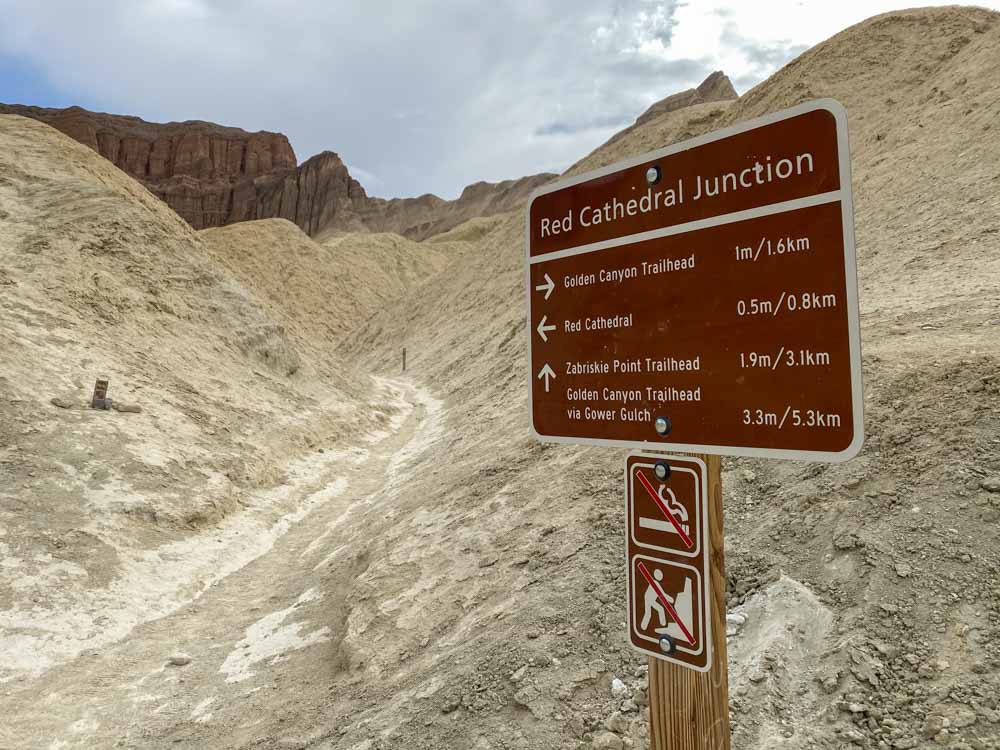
{"x": 542, "y": 328}
{"x": 547, "y": 287}
{"x": 546, "y": 373}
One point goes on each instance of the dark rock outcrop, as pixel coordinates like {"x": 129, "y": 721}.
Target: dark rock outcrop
{"x": 319, "y": 195}
{"x": 324, "y": 199}
{"x": 716, "y": 88}
{"x": 419, "y": 218}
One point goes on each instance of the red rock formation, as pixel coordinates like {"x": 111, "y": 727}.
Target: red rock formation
{"x": 203, "y": 171}
{"x": 320, "y": 194}
{"x": 214, "y": 175}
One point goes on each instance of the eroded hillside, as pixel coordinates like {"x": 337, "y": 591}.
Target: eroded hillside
{"x": 216, "y": 388}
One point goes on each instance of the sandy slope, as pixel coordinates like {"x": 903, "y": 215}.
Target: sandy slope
{"x": 99, "y": 278}
{"x": 471, "y": 597}
{"x": 320, "y": 292}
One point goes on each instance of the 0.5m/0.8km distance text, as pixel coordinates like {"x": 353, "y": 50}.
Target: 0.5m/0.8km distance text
{"x": 791, "y": 302}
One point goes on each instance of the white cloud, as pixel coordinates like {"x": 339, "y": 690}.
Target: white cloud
{"x": 429, "y": 95}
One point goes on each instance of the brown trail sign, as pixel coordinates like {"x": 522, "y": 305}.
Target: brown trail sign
{"x": 700, "y": 298}
{"x": 711, "y": 284}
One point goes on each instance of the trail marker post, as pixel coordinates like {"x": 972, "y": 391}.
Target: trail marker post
{"x": 698, "y": 299}
{"x": 676, "y": 596}
{"x": 100, "y": 398}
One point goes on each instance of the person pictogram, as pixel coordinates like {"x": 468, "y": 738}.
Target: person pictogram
{"x": 652, "y": 604}
{"x": 675, "y": 612}
{"x": 683, "y": 604}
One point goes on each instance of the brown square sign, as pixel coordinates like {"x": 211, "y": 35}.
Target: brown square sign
{"x": 703, "y": 297}
{"x": 667, "y": 557}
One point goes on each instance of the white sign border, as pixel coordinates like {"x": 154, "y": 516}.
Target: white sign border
{"x": 846, "y": 197}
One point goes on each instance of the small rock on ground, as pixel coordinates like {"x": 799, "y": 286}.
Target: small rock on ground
{"x": 618, "y": 688}
{"x": 607, "y": 741}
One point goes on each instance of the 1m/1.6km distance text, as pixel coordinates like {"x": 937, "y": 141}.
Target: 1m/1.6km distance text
{"x": 768, "y": 247}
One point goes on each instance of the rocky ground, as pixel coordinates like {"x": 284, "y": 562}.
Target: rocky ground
{"x": 404, "y": 567}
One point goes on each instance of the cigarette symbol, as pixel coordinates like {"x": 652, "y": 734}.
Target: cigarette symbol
{"x": 675, "y": 526}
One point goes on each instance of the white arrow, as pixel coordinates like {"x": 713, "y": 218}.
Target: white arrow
{"x": 542, "y": 328}
{"x": 547, "y": 287}
{"x": 546, "y": 373}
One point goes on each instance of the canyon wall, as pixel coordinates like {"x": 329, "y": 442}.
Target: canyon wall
{"x": 213, "y": 175}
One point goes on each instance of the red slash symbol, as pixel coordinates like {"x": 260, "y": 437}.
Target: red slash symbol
{"x": 664, "y": 509}
{"x": 666, "y": 602}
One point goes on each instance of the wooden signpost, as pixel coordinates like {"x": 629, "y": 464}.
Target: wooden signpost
{"x": 683, "y": 601}
{"x": 699, "y": 299}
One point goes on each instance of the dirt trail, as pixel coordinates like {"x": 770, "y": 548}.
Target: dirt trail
{"x": 274, "y": 609}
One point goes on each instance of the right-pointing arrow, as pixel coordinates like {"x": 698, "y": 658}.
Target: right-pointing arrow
{"x": 548, "y": 374}
{"x": 542, "y": 328}
{"x": 547, "y": 287}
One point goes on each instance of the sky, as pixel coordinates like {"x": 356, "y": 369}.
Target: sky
{"x": 416, "y": 96}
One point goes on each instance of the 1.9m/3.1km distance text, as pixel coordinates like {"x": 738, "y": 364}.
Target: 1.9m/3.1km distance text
{"x": 784, "y": 358}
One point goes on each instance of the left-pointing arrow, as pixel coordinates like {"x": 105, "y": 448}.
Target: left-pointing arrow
{"x": 548, "y": 374}
{"x": 542, "y": 328}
